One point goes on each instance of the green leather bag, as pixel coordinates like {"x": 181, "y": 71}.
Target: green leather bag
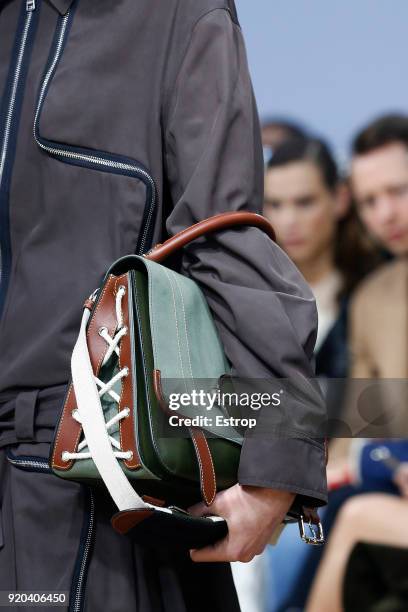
{"x": 147, "y": 335}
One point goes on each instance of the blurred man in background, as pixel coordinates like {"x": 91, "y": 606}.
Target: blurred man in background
{"x": 380, "y": 185}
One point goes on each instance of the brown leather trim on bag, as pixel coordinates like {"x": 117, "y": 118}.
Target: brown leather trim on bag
{"x": 127, "y": 425}
{"x": 153, "y": 500}
{"x": 124, "y": 521}
{"x": 208, "y": 482}
{"x": 207, "y": 473}
{"x": 68, "y": 434}
{"x": 69, "y": 430}
{"x": 207, "y": 226}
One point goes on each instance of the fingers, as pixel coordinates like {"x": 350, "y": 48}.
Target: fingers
{"x": 224, "y": 550}
{"x": 215, "y": 552}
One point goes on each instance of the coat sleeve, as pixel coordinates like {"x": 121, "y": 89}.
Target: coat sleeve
{"x": 263, "y": 309}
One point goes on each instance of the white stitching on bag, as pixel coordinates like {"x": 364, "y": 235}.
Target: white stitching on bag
{"x": 175, "y": 316}
{"x": 185, "y": 325}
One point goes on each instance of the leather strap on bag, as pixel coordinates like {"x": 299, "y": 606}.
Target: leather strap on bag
{"x": 208, "y": 484}
{"x": 213, "y": 224}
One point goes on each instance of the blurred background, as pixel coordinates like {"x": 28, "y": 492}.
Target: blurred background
{"x": 330, "y": 65}
{"x": 331, "y": 89}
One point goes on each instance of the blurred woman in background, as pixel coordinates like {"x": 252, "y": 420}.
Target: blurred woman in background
{"x": 309, "y": 205}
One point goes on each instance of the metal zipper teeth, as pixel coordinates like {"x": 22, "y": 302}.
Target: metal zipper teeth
{"x": 10, "y": 112}
{"x": 79, "y": 590}
{"x": 34, "y": 463}
{"x": 91, "y": 159}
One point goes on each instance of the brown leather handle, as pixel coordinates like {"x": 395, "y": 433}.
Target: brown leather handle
{"x": 212, "y": 224}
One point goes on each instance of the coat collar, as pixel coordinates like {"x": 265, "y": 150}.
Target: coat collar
{"x": 62, "y": 6}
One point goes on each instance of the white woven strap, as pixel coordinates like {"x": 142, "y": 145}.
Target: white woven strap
{"x": 94, "y": 426}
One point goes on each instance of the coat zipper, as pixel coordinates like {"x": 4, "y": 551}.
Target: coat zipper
{"x": 11, "y": 119}
{"x": 16, "y": 80}
{"x": 29, "y": 463}
{"x": 88, "y": 157}
{"x": 39, "y": 464}
{"x": 87, "y": 536}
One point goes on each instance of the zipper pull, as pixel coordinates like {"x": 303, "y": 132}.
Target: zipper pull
{"x": 30, "y": 5}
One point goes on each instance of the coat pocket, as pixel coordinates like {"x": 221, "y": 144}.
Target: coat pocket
{"x": 76, "y": 140}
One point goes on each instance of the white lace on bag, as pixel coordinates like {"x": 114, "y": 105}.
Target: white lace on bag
{"x": 107, "y": 388}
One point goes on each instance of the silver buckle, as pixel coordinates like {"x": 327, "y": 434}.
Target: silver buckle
{"x": 316, "y": 537}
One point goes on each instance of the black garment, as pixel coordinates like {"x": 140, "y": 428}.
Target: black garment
{"x": 332, "y": 359}
{"x": 332, "y": 362}
{"x": 123, "y": 122}
{"x": 376, "y": 579}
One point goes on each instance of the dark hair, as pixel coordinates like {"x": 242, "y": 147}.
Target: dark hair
{"x": 308, "y": 149}
{"x": 292, "y": 128}
{"x": 384, "y": 130}
{"x": 354, "y": 254}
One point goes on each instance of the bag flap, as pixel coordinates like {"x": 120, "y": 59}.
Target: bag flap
{"x": 186, "y": 346}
